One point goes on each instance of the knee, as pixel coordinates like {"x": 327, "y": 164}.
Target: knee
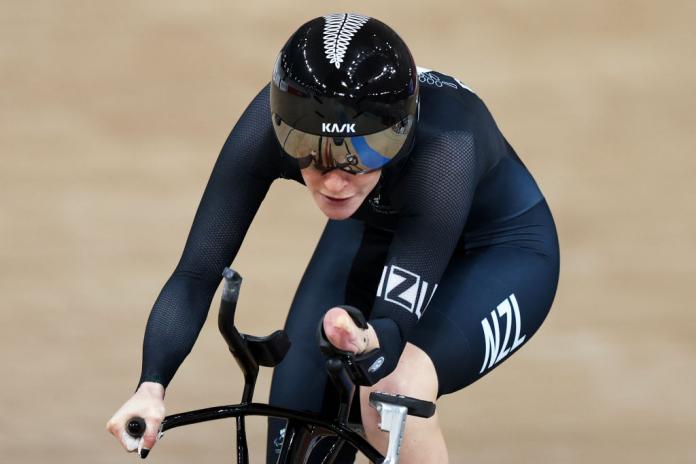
{"x": 395, "y": 383}
{"x": 414, "y": 376}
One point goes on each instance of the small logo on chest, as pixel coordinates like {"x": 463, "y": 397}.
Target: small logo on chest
{"x": 380, "y": 206}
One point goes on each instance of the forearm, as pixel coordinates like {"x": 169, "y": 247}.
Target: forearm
{"x": 173, "y": 327}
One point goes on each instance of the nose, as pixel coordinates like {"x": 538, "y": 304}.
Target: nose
{"x": 335, "y": 180}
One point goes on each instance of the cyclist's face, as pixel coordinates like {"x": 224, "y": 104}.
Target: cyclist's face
{"x": 337, "y": 193}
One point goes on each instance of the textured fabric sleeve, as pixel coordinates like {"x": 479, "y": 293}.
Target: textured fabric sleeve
{"x": 248, "y": 162}
{"x": 433, "y": 199}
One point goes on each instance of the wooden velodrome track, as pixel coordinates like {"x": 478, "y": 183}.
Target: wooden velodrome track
{"x": 112, "y": 114}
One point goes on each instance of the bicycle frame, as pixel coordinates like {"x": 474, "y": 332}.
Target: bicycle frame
{"x": 304, "y": 430}
{"x": 302, "y": 433}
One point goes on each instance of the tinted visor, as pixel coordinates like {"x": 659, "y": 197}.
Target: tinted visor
{"x": 355, "y": 154}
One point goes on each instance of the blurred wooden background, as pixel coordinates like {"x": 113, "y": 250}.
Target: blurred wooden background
{"x": 111, "y": 117}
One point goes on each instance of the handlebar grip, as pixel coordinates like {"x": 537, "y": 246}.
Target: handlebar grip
{"x": 135, "y": 427}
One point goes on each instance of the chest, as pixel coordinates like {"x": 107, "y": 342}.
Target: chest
{"x": 377, "y": 210}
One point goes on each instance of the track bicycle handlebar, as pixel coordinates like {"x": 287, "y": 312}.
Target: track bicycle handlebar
{"x": 303, "y": 429}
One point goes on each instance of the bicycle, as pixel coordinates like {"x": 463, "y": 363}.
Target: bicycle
{"x": 304, "y": 430}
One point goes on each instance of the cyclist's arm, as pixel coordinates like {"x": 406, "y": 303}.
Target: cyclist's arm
{"x": 248, "y": 163}
{"x": 433, "y": 199}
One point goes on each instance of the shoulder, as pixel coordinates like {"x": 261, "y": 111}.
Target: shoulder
{"x": 447, "y": 104}
{"x": 252, "y": 145}
{"x": 443, "y": 154}
{"x": 255, "y": 126}
{"x": 259, "y": 108}
{"x": 430, "y": 78}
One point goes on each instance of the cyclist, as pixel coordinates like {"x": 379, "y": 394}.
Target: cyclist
{"x": 437, "y": 232}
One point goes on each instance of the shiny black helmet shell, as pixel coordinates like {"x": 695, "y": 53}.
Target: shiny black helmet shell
{"x": 342, "y": 75}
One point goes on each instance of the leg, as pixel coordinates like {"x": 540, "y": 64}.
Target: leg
{"x": 491, "y": 300}
{"x": 414, "y": 376}
{"x": 300, "y": 381}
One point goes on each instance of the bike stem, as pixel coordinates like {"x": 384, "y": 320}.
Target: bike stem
{"x": 344, "y": 384}
{"x": 240, "y": 350}
{"x": 238, "y": 347}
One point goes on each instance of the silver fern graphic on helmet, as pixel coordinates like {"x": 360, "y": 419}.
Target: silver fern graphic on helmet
{"x": 339, "y": 30}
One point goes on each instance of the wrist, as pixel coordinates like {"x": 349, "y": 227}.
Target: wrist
{"x": 152, "y": 389}
{"x": 372, "y": 341}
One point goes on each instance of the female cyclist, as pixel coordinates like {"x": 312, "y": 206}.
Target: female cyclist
{"x": 437, "y": 232}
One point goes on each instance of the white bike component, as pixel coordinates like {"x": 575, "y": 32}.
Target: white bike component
{"x": 393, "y": 421}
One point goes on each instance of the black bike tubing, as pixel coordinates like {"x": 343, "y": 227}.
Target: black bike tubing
{"x": 242, "y": 449}
{"x": 259, "y": 409}
{"x": 334, "y": 451}
{"x": 288, "y": 442}
{"x": 298, "y": 443}
{"x": 301, "y": 440}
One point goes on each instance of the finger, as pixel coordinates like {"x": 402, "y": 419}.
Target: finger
{"x": 111, "y": 428}
{"x": 128, "y": 442}
{"x": 119, "y": 433}
{"x": 150, "y": 436}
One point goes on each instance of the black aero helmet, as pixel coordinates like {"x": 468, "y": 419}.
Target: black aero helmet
{"x": 344, "y": 94}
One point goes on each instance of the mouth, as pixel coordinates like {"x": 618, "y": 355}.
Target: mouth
{"x": 334, "y": 200}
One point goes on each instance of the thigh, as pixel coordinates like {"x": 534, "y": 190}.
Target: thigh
{"x": 300, "y": 381}
{"x": 490, "y": 302}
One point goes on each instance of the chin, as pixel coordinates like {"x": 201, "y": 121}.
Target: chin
{"x": 337, "y": 215}
{"x": 338, "y": 211}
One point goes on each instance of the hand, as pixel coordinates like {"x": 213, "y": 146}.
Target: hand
{"x": 148, "y": 403}
{"x": 342, "y": 332}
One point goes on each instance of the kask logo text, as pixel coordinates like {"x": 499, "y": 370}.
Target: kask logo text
{"x": 333, "y": 128}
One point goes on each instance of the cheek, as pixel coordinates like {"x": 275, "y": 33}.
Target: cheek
{"x": 309, "y": 178}
{"x": 368, "y": 182}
